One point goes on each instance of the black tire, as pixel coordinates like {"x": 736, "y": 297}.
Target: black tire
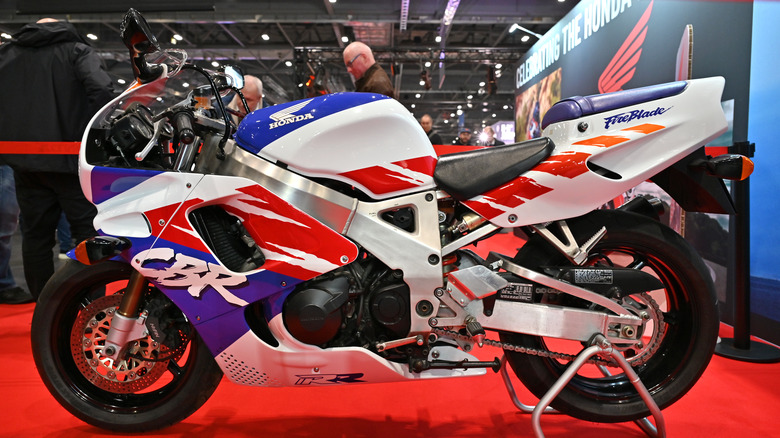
{"x": 173, "y": 389}
{"x": 690, "y": 317}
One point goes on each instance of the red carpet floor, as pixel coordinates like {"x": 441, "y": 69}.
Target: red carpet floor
{"x": 733, "y": 399}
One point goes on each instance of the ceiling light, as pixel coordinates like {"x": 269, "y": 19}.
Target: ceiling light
{"x": 482, "y": 84}
{"x": 177, "y": 37}
{"x": 422, "y": 83}
{"x": 525, "y": 38}
{"x": 418, "y": 95}
{"x": 173, "y": 41}
{"x": 427, "y": 64}
{"x": 344, "y": 39}
{"x": 516, "y": 26}
{"x": 214, "y": 64}
{"x": 265, "y": 37}
{"x": 470, "y": 96}
{"x": 121, "y": 81}
{"x": 288, "y": 63}
{"x": 494, "y": 115}
{"x": 459, "y": 112}
{"x": 469, "y": 105}
{"x": 446, "y": 121}
{"x": 452, "y": 114}
{"x": 414, "y": 105}
{"x": 498, "y": 66}
{"x": 506, "y": 106}
{"x": 332, "y": 1}
{"x": 460, "y": 106}
{"x": 5, "y": 35}
{"x": 438, "y": 38}
{"x": 92, "y": 36}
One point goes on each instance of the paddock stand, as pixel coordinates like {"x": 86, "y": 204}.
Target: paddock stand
{"x": 599, "y": 346}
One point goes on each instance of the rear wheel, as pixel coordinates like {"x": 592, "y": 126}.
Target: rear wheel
{"x": 154, "y": 385}
{"x": 677, "y": 343}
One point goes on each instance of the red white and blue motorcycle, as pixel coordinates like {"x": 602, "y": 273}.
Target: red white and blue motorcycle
{"x": 324, "y": 241}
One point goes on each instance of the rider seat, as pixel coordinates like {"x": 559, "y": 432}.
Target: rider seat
{"x": 467, "y": 174}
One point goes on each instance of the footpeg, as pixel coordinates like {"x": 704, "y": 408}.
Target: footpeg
{"x": 475, "y": 330}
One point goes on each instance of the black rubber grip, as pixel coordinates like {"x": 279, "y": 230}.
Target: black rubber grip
{"x": 183, "y": 123}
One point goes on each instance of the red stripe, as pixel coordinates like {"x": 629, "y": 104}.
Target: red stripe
{"x": 603, "y": 141}
{"x": 40, "y": 147}
{"x": 647, "y": 128}
{"x": 566, "y": 164}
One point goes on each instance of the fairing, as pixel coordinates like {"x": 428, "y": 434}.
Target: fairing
{"x": 361, "y": 139}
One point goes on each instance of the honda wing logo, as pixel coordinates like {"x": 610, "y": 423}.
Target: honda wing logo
{"x": 623, "y": 65}
{"x": 286, "y": 115}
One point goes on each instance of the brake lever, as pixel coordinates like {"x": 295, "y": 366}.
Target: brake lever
{"x": 158, "y": 127}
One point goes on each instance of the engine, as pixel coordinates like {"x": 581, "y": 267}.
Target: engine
{"x": 359, "y": 305}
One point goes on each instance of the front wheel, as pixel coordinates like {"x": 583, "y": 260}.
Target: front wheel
{"x": 157, "y": 382}
{"x": 677, "y": 342}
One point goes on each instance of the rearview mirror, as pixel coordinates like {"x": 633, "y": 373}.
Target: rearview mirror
{"x": 140, "y": 40}
{"x": 236, "y": 76}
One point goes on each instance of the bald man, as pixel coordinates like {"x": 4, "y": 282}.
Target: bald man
{"x": 369, "y": 76}
{"x": 426, "y": 121}
{"x": 253, "y": 94}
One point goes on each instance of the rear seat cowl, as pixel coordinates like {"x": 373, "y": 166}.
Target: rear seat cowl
{"x": 579, "y": 106}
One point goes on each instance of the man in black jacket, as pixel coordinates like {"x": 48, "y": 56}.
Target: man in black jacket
{"x": 52, "y": 83}
{"x": 426, "y": 121}
{"x": 369, "y": 76}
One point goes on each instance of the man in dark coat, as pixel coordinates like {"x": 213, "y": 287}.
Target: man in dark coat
{"x": 426, "y": 121}
{"x": 369, "y": 76}
{"x": 463, "y": 138}
{"x": 490, "y": 138}
{"x": 52, "y": 83}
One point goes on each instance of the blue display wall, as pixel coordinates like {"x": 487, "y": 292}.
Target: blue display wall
{"x": 762, "y": 130}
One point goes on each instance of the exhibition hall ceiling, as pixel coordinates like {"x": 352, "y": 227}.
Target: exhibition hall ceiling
{"x": 286, "y": 42}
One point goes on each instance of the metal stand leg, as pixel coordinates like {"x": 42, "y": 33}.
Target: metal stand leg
{"x": 600, "y": 346}
{"x": 513, "y": 395}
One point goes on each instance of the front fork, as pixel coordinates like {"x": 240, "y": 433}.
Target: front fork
{"x": 128, "y": 323}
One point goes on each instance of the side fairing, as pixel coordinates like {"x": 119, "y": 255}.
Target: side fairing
{"x": 166, "y": 249}
{"x": 365, "y": 140}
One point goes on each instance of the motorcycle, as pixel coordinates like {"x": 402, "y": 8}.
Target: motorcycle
{"x": 323, "y": 241}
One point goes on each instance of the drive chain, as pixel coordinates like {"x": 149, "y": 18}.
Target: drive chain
{"x": 636, "y": 361}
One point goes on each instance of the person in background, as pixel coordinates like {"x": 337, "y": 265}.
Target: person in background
{"x": 491, "y": 140}
{"x": 10, "y": 292}
{"x": 369, "y": 76}
{"x": 51, "y": 68}
{"x": 426, "y": 121}
{"x": 464, "y": 137}
{"x": 253, "y": 94}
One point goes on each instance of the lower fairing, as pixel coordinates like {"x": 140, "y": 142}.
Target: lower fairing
{"x": 251, "y": 361}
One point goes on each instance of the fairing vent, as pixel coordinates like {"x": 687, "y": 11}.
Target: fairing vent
{"x": 238, "y": 371}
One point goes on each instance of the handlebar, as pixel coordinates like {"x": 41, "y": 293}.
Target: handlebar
{"x": 183, "y": 123}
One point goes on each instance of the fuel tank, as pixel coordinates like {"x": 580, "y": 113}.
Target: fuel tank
{"x": 366, "y": 140}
